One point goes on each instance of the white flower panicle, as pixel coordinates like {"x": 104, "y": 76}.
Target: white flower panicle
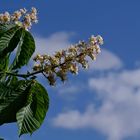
{"x": 20, "y": 17}
{"x": 68, "y": 60}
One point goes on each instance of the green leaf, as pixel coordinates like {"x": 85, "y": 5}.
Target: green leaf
{"x": 31, "y": 116}
{"x": 12, "y": 98}
{"x": 4, "y": 63}
{"x": 25, "y": 50}
{"x": 3, "y": 67}
{"x": 11, "y": 81}
{"x": 5, "y": 27}
{"x": 9, "y": 41}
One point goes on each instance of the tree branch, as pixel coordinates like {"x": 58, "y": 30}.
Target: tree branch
{"x": 25, "y": 75}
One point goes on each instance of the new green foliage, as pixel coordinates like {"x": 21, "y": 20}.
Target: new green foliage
{"x": 24, "y": 101}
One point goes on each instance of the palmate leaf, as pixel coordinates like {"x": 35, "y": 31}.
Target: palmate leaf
{"x": 12, "y": 36}
{"x": 22, "y": 101}
{"x": 11, "y": 100}
{"x": 25, "y": 50}
{"x": 9, "y": 40}
{"x": 31, "y": 116}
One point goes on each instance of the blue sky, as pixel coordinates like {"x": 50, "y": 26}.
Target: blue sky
{"x": 102, "y": 103}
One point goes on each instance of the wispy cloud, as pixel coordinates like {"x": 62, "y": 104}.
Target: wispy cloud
{"x": 68, "y": 89}
{"x": 54, "y": 42}
{"x": 106, "y": 61}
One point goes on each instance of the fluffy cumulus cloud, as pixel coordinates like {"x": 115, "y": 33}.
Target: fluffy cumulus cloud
{"x": 118, "y": 114}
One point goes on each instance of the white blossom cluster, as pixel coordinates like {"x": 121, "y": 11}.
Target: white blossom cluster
{"x": 20, "y": 17}
{"x": 68, "y": 60}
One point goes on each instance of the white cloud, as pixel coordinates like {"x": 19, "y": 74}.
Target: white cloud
{"x": 106, "y": 61}
{"x": 68, "y": 89}
{"x": 119, "y": 112}
{"x": 54, "y": 42}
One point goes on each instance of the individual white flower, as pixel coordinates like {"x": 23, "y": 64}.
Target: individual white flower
{"x": 100, "y": 40}
{"x": 6, "y": 17}
{"x": 73, "y": 68}
{"x": 97, "y": 47}
{"x": 92, "y": 40}
{"x": 23, "y": 11}
{"x": 34, "y": 10}
{"x": 16, "y": 16}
